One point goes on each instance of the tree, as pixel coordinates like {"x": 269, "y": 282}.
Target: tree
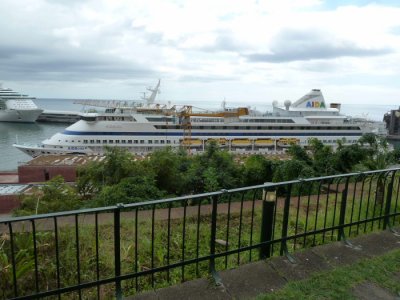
{"x": 257, "y": 170}
{"x": 214, "y": 167}
{"x": 292, "y": 169}
{"x": 299, "y": 153}
{"x": 210, "y": 178}
{"x": 169, "y": 168}
{"x": 321, "y": 157}
{"x": 378, "y": 154}
{"x": 396, "y": 155}
{"x": 379, "y": 157}
{"x": 345, "y": 158}
{"x": 90, "y": 179}
{"x": 221, "y": 160}
{"x": 117, "y": 165}
{"x": 128, "y": 190}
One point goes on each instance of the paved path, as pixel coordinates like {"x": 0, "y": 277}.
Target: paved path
{"x": 108, "y": 218}
{"x": 249, "y": 281}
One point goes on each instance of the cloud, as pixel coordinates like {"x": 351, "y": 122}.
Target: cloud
{"x": 224, "y": 41}
{"x": 205, "y": 78}
{"x": 293, "y": 45}
{"x": 395, "y": 30}
{"x": 13, "y": 51}
{"x": 110, "y": 45}
{"x": 67, "y": 65}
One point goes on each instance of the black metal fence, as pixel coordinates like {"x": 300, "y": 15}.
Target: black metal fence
{"x": 122, "y": 250}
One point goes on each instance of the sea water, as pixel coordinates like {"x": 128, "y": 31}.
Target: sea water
{"x": 29, "y": 133}
{"x": 34, "y": 133}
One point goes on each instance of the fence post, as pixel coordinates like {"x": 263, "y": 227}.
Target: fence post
{"x": 342, "y": 215}
{"x": 117, "y": 250}
{"x": 267, "y": 222}
{"x": 213, "y": 272}
{"x": 285, "y": 222}
{"x": 386, "y": 220}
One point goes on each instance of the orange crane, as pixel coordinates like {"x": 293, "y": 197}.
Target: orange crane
{"x": 187, "y": 111}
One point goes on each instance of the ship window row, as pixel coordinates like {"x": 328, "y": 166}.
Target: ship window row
{"x": 260, "y": 127}
{"x": 337, "y": 141}
{"x": 123, "y": 141}
{"x": 266, "y": 120}
{"x": 208, "y": 120}
{"x": 163, "y": 142}
{"x": 112, "y": 118}
{"x": 221, "y": 120}
{"x": 162, "y": 119}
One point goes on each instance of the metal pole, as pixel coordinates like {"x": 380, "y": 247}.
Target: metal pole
{"x": 343, "y": 205}
{"x": 285, "y": 222}
{"x": 213, "y": 272}
{"x": 268, "y": 208}
{"x": 117, "y": 251}
{"x": 386, "y": 220}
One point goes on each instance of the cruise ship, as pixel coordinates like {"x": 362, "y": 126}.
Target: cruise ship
{"x": 143, "y": 129}
{"x": 15, "y": 107}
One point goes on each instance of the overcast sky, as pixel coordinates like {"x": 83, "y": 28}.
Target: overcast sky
{"x": 245, "y": 51}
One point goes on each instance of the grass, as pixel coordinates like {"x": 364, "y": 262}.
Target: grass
{"x": 383, "y": 271}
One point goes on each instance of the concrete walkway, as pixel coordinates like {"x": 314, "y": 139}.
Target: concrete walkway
{"x": 251, "y": 280}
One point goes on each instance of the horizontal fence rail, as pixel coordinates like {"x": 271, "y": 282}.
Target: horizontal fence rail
{"x": 125, "y": 249}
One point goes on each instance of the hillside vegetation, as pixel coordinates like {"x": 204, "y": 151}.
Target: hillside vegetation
{"x": 120, "y": 178}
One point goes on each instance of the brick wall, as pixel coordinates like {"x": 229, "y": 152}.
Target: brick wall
{"x": 31, "y": 174}
{"x": 68, "y": 172}
{"x": 43, "y": 173}
{"x": 8, "y": 203}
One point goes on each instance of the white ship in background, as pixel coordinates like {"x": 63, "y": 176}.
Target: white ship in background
{"x": 15, "y": 107}
{"x": 143, "y": 128}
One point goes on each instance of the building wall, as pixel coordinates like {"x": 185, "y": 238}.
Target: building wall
{"x": 29, "y": 173}
{"x": 8, "y": 203}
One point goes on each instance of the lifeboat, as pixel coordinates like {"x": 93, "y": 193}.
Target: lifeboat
{"x": 192, "y": 142}
{"x": 264, "y": 142}
{"x": 286, "y": 142}
{"x": 220, "y": 141}
{"x": 241, "y": 142}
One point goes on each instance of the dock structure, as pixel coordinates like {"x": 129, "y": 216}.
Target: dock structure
{"x": 58, "y": 116}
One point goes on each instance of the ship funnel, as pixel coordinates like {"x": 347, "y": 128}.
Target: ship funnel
{"x": 336, "y": 105}
{"x": 287, "y": 104}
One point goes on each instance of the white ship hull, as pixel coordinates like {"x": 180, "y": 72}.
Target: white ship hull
{"x": 141, "y": 138}
{"x": 39, "y": 150}
{"x": 15, "y": 107}
{"x": 24, "y": 116}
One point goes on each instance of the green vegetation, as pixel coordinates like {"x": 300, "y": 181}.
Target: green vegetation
{"x": 338, "y": 284}
{"x": 120, "y": 178}
{"x": 56, "y": 195}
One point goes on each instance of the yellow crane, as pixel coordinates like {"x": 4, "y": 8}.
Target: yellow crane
{"x": 187, "y": 111}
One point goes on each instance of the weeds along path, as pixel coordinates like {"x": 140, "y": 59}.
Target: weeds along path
{"x": 162, "y": 214}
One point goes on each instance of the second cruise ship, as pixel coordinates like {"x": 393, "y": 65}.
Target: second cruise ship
{"x": 15, "y": 107}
